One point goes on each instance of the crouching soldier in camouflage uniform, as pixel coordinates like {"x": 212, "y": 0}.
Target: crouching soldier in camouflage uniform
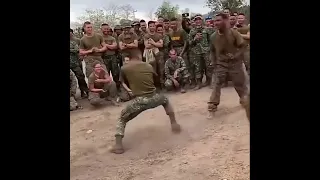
{"x": 73, "y": 89}
{"x": 101, "y": 86}
{"x": 176, "y": 72}
{"x": 140, "y": 76}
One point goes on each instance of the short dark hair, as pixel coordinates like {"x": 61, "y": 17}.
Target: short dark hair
{"x": 241, "y": 14}
{"x": 159, "y": 25}
{"x": 151, "y": 22}
{"x": 86, "y": 23}
{"x": 71, "y": 30}
{"x": 232, "y": 14}
{"x": 142, "y": 20}
{"x": 95, "y": 63}
{"x": 223, "y": 15}
{"x": 227, "y": 8}
{"x": 160, "y": 17}
{"x": 104, "y": 24}
{"x": 173, "y": 19}
{"x": 166, "y": 20}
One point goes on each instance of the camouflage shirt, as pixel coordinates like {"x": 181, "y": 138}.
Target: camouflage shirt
{"x": 172, "y": 65}
{"x": 74, "y": 54}
{"x": 166, "y": 43}
{"x": 202, "y": 45}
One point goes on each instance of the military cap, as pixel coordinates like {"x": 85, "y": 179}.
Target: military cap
{"x": 126, "y": 24}
{"x": 117, "y": 27}
{"x": 198, "y": 16}
{"x": 135, "y": 23}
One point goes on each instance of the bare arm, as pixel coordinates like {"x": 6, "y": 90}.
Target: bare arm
{"x": 146, "y": 44}
{"x": 82, "y": 50}
{"x": 158, "y": 44}
{"x": 133, "y": 45}
{"x": 112, "y": 46}
{"x": 92, "y": 89}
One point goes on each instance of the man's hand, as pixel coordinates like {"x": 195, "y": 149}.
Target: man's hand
{"x": 176, "y": 83}
{"x": 175, "y": 74}
{"x": 99, "y": 80}
{"x": 95, "y": 49}
{"x": 231, "y": 56}
{"x": 130, "y": 93}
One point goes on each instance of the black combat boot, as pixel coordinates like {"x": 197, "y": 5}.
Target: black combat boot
{"x": 193, "y": 84}
{"x": 84, "y": 94}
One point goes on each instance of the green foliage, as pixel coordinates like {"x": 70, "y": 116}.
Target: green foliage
{"x": 218, "y": 5}
{"x": 167, "y": 10}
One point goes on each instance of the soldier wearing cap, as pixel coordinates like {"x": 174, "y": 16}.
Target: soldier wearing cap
{"x": 140, "y": 34}
{"x": 128, "y": 41}
{"x": 117, "y": 30}
{"x": 199, "y": 38}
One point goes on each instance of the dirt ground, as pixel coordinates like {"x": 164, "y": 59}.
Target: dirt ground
{"x": 206, "y": 149}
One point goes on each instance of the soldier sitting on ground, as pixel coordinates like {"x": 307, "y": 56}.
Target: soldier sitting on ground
{"x": 73, "y": 89}
{"x": 176, "y": 72}
{"x": 101, "y": 86}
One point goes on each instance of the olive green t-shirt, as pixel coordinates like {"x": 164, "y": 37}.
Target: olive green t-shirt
{"x": 93, "y": 77}
{"x": 178, "y": 37}
{"x": 128, "y": 39}
{"x": 89, "y": 42}
{"x": 109, "y": 40}
{"x": 139, "y": 75}
{"x": 229, "y": 42}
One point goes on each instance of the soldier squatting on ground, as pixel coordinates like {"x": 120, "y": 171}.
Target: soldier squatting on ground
{"x": 73, "y": 89}
{"x": 140, "y": 76}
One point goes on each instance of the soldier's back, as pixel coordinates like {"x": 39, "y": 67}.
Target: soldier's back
{"x": 140, "y": 77}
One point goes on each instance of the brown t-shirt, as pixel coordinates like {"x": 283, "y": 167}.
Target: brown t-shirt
{"x": 178, "y": 37}
{"x": 244, "y": 30}
{"x": 109, "y": 40}
{"x": 229, "y": 42}
{"x": 139, "y": 75}
{"x": 93, "y": 77}
{"x": 88, "y": 43}
{"x": 128, "y": 39}
{"x": 156, "y": 37}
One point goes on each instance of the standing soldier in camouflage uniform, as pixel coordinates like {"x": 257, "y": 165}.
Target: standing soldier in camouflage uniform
{"x": 199, "y": 39}
{"x": 140, "y": 76}
{"x": 227, "y": 46}
{"x": 73, "y": 89}
{"x": 164, "y": 52}
{"x": 92, "y": 46}
{"x": 140, "y": 34}
{"x": 117, "y": 31}
{"x": 179, "y": 42}
{"x": 75, "y": 66}
{"x": 176, "y": 72}
{"x": 110, "y": 57}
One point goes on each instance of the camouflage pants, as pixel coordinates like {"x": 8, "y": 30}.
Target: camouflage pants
{"x": 90, "y": 60}
{"x": 73, "y": 103}
{"x": 246, "y": 59}
{"x": 81, "y": 78}
{"x": 98, "y": 98}
{"x": 137, "y": 106}
{"x": 112, "y": 65}
{"x": 238, "y": 75}
{"x": 186, "y": 59}
{"x": 161, "y": 62}
{"x": 201, "y": 64}
{"x": 183, "y": 79}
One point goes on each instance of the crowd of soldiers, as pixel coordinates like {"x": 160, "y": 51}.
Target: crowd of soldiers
{"x": 147, "y": 58}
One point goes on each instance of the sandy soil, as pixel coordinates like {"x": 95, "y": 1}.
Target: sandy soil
{"x": 206, "y": 149}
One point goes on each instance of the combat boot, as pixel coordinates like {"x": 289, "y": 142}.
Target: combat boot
{"x": 84, "y": 94}
{"x": 182, "y": 89}
{"x": 193, "y": 84}
{"x": 118, "y": 147}
{"x": 208, "y": 81}
{"x": 199, "y": 84}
